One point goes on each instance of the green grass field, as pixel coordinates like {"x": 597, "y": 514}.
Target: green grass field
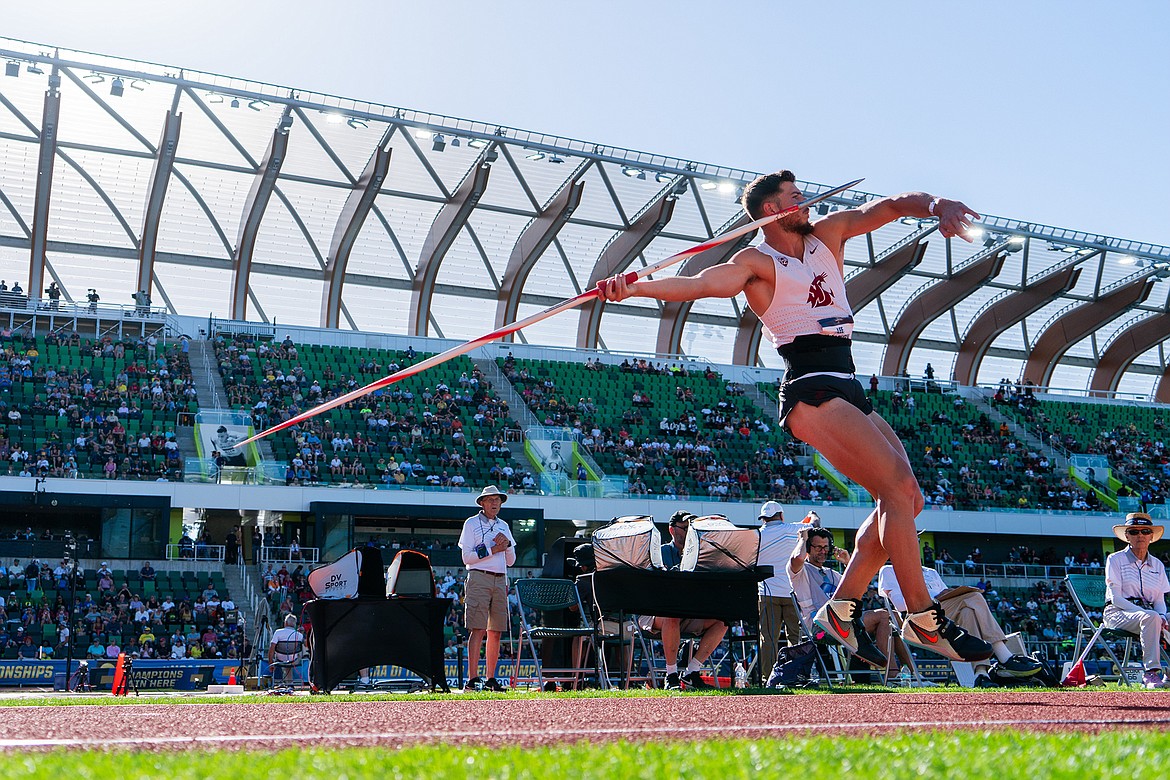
{"x": 994, "y": 754}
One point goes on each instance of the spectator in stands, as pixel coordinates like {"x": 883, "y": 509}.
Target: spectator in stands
{"x": 968, "y": 608}
{"x": 1135, "y": 592}
{"x": 488, "y": 549}
{"x": 709, "y": 630}
{"x": 814, "y": 582}
{"x": 146, "y": 573}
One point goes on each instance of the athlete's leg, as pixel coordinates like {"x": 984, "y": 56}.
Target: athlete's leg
{"x": 868, "y": 453}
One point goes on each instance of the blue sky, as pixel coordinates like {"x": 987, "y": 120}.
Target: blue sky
{"x": 1048, "y": 112}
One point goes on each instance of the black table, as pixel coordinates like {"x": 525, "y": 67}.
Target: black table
{"x": 726, "y": 595}
{"x": 729, "y": 596}
{"x": 352, "y": 634}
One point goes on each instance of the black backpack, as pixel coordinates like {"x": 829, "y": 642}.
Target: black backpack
{"x": 793, "y": 665}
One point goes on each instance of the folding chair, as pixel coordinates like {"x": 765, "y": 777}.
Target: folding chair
{"x": 817, "y": 637}
{"x": 548, "y": 599}
{"x": 896, "y": 619}
{"x": 627, "y": 637}
{"x": 1088, "y": 592}
{"x": 290, "y": 669}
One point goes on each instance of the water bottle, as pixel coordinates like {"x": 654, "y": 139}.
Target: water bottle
{"x": 740, "y": 675}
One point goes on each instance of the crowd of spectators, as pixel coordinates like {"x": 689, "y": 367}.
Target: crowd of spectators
{"x": 90, "y": 437}
{"x": 398, "y": 436}
{"x": 37, "y": 619}
{"x": 696, "y": 451}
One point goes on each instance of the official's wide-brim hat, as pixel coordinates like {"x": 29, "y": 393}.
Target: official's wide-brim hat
{"x": 491, "y": 490}
{"x": 1138, "y": 520}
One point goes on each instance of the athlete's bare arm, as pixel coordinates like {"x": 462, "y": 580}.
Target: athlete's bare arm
{"x": 725, "y": 280}
{"x": 954, "y": 218}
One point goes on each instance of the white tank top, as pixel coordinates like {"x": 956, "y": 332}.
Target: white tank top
{"x": 809, "y": 297}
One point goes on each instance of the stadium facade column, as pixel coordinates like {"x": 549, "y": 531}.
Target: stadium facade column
{"x": 935, "y": 301}
{"x": 1126, "y": 347}
{"x": 353, "y": 215}
{"x": 46, "y": 156}
{"x": 533, "y": 241}
{"x": 263, "y": 185}
{"x": 164, "y": 163}
{"x": 445, "y": 228}
{"x": 675, "y": 313}
{"x": 1078, "y": 323}
{"x": 617, "y": 256}
{"x": 1005, "y": 313}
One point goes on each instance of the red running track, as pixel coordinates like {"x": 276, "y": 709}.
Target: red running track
{"x": 358, "y": 721}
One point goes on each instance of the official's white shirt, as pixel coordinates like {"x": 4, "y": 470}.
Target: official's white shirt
{"x": 1128, "y": 580}
{"x": 285, "y": 634}
{"x": 478, "y": 530}
{"x": 808, "y": 583}
{"x": 888, "y": 581}
{"x": 776, "y": 542}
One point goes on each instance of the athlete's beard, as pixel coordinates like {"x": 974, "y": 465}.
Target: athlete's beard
{"x": 800, "y": 228}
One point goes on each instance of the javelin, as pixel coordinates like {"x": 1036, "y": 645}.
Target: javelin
{"x": 564, "y": 305}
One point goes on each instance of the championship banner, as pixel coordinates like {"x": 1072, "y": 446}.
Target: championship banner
{"x": 162, "y": 674}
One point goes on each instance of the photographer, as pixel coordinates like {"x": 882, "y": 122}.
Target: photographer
{"x": 93, "y": 298}
{"x": 813, "y": 583}
{"x": 54, "y": 293}
{"x": 488, "y": 550}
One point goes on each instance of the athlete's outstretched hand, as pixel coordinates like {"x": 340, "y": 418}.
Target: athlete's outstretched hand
{"x": 954, "y": 219}
{"x": 615, "y": 288}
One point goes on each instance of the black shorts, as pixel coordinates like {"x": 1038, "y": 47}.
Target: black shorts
{"x": 815, "y": 390}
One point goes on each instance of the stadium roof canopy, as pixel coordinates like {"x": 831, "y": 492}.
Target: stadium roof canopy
{"x": 245, "y": 200}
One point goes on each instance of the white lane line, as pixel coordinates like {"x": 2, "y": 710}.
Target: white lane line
{"x": 399, "y": 736}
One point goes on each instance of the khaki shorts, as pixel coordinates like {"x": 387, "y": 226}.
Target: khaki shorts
{"x": 485, "y": 602}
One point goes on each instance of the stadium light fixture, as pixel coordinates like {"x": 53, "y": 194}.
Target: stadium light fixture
{"x": 438, "y": 143}
{"x": 726, "y": 187}
{"x": 94, "y": 78}
{"x": 257, "y": 104}
{"x": 1127, "y": 260}
{"x": 662, "y": 178}
{"x": 422, "y": 134}
{"x": 556, "y": 159}
{"x": 707, "y": 184}
{"x": 355, "y": 123}
{"x": 823, "y": 209}
{"x": 633, "y": 173}
{"x": 455, "y": 141}
{"x": 533, "y": 154}
{"x": 35, "y": 69}
{"x": 477, "y": 143}
{"x": 334, "y": 118}
{"x": 138, "y": 84}
{"x": 117, "y": 89}
{"x": 1017, "y": 240}
{"x": 235, "y": 103}
{"x": 12, "y": 68}
{"x": 214, "y": 97}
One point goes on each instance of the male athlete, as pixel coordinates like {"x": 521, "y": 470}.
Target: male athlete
{"x": 795, "y": 283}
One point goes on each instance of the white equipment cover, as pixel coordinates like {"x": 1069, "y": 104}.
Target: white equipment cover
{"x": 338, "y": 580}
{"x": 631, "y": 541}
{"x": 716, "y": 544}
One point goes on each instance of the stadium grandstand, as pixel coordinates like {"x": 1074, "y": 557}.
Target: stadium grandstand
{"x": 189, "y": 258}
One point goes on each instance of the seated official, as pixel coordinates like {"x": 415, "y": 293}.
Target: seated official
{"x": 709, "y": 630}
{"x": 1135, "y": 592}
{"x": 968, "y": 609}
{"x": 287, "y": 633}
{"x": 813, "y": 584}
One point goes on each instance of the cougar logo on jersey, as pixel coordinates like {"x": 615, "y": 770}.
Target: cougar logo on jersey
{"x": 818, "y": 295}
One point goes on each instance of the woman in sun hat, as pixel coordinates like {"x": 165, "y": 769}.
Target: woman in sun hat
{"x": 1135, "y": 591}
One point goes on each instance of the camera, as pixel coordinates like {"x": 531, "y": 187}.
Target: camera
{"x": 481, "y": 550}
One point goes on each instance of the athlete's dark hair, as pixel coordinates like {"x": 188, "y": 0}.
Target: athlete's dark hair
{"x": 763, "y": 188}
